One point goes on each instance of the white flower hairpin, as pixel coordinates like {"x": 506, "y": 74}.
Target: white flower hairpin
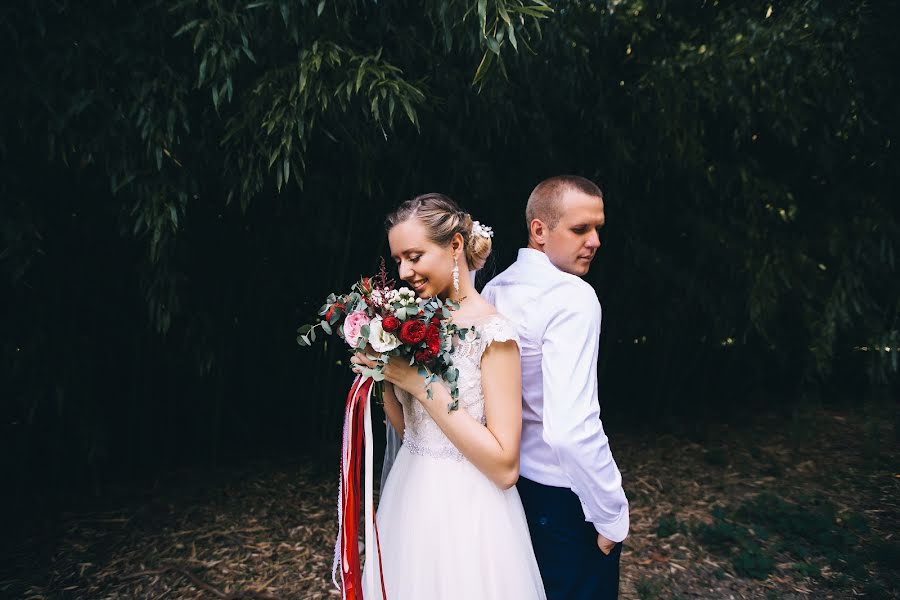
{"x": 480, "y": 230}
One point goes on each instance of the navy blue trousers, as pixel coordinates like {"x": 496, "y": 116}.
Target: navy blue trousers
{"x": 571, "y": 564}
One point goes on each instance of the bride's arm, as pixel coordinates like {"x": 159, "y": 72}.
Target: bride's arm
{"x": 393, "y": 410}
{"x": 494, "y": 449}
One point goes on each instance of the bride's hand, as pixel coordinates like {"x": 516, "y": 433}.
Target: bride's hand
{"x": 397, "y": 371}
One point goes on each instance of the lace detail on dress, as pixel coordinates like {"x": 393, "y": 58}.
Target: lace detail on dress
{"x": 423, "y": 436}
{"x": 442, "y": 452}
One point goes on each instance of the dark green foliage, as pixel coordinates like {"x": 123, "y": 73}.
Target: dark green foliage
{"x": 840, "y": 581}
{"x": 722, "y": 536}
{"x": 855, "y": 522}
{"x": 808, "y": 530}
{"x": 753, "y": 563}
{"x": 648, "y": 589}
{"x": 807, "y": 569}
{"x": 668, "y": 525}
{"x": 181, "y": 183}
{"x": 810, "y": 522}
{"x": 886, "y": 553}
{"x": 875, "y": 590}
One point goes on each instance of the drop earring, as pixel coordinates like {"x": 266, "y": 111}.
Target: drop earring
{"x": 455, "y": 274}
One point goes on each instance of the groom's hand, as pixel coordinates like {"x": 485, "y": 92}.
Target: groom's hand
{"x": 606, "y": 546}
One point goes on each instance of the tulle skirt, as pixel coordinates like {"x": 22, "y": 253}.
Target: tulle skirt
{"x": 447, "y": 532}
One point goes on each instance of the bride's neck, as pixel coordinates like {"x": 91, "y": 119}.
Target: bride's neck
{"x": 466, "y": 290}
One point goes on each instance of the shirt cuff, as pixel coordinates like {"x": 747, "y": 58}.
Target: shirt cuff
{"x": 617, "y": 530}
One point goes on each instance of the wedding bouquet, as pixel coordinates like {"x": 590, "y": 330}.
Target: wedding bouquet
{"x": 376, "y": 317}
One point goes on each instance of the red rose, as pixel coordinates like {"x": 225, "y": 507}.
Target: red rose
{"x": 424, "y": 355}
{"x": 390, "y": 324}
{"x": 412, "y": 332}
{"x": 435, "y": 320}
{"x": 433, "y": 339}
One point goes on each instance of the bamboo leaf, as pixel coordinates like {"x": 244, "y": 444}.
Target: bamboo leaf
{"x": 186, "y": 27}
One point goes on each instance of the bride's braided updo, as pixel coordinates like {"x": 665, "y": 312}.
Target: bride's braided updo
{"x": 443, "y": 219}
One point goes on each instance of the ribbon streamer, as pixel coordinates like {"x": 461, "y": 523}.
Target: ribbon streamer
{"x": 357, "y": 434}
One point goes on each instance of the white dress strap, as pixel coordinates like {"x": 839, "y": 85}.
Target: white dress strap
{"x": 497, "y": 328}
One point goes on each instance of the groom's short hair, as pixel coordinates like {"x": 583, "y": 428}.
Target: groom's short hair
{"x": 545, "y": 201}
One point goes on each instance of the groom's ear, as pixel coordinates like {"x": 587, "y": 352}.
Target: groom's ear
{"x": 537, "y": 230}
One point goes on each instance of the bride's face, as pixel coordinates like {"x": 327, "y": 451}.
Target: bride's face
{"x": 424, "y": 265}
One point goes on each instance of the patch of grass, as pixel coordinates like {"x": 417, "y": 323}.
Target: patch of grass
{"x": 855, "y": 522}
{"x": 722, "y": 536}
{"x": 886, "y": 553}
{"x": 838, "y": 582}
{"x": 809, "y": 530}
{"x": 748, "y": 557}
{"x": 668, "y": 525}
{"x": 876, "y": 590}
{"x": 851, "y": 563}
{"x": 807, "y": 569}
{"x": 753, "y": 563}
{"x": 812, "y": 523}
{"x": 648, "y": 589}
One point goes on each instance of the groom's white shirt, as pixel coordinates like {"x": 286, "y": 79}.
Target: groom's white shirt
{"x": 563, "y": 443}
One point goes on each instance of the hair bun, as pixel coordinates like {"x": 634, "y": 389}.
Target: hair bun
{"x": 478, "y": 247}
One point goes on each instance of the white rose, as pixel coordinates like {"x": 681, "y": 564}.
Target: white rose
{"x": 381, "y": 340}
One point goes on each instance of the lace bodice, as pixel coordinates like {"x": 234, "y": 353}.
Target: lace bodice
{"x": 422, "y": 435}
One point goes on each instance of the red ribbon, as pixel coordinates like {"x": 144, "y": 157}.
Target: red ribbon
{"x": 351, "y": 462}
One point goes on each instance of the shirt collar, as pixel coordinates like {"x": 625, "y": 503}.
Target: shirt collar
{"x": 534, "y": 257}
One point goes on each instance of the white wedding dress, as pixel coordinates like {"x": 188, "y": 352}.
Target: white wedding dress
{"x": 446, "y": 531}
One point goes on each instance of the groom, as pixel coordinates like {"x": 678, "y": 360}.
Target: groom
{"x": 570, "y": 485}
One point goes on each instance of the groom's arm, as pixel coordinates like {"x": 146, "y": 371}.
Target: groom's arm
{"x": 571, "y": 411}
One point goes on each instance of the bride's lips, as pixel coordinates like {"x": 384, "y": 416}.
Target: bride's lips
{"x": 419, "y": 285}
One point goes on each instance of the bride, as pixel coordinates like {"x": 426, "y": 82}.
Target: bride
{"x": 450, "y": 520}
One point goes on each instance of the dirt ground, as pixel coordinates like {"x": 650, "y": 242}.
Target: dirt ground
{"x": 776, "y": 508}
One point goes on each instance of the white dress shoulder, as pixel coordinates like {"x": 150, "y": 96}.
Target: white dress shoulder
{"x": 447, "y": 531}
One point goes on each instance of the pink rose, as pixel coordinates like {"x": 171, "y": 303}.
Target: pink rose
{"x": 353, "y": 325}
